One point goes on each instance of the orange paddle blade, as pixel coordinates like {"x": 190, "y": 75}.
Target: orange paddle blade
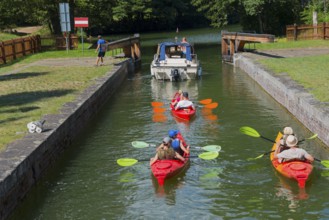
{"x": 159, "y": 118}
{"x": 205, "y": 101}
{"x": 212, "y": 105}
{"x": 157, "y": 104}
{"x": 159, "y": 110}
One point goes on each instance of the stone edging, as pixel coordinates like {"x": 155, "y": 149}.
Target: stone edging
{"x": 312, "y": 113}
{"x": 25, "y": 161}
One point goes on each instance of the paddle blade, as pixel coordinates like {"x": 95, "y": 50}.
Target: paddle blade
{"x": 260, "y": 156}
{"x": 212, "y": 148}
{"x": 205, "y": 101}
{"x": 211, "y": 105}
{"x": 325, "y": 163}
{"x": 312, "y": 137}
{"x": 157, "y": 104}
{"x": 159, "y": 110}
{"x": 126, "y": 162}
{"x": 208, "y": 155}
{"x": 139, "y": 144}
{"x": 249, "y": 131}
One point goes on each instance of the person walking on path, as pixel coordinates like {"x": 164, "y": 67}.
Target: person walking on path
{"x": 101, "y": 49}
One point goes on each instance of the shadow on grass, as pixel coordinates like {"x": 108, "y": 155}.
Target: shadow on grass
{"x": 22, "y": 109}
{"x": 267, "y": 55}
{"x": 21, "y": 75}
{"x": 17, "y": 99}
{"x": 11, "y": 119}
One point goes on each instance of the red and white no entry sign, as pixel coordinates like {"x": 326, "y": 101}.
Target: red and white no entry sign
{"x": 81, "y": 22}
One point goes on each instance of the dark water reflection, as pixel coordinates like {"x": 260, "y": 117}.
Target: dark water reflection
{"x": 88, "y": 184}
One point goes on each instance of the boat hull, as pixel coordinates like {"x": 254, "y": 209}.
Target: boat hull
{"x": 164, "y": 169}
{"x": 297, "y": 170}
{"x": 185, "y": 114}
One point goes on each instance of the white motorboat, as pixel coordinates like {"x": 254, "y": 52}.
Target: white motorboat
{"x": 175, "y": 62}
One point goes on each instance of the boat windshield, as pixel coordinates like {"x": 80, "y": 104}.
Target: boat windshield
{"x": 175, "y": 50}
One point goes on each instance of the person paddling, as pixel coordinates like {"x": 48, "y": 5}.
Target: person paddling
{"x": 184, "y": 103}
{"x": 166, "y": 152}
{"x": 293, "y": 153}
{"x": 178, "y": 143}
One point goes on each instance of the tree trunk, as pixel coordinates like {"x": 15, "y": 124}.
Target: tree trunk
{"x": 260, "y": 22}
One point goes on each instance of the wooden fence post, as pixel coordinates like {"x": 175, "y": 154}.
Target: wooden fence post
{"x": 3, "y": 52}
{"x": 14, "y": 49}
{"x": 23, "y": 46}
{"x": 324, "y": 30}
{"x": 295, "y": 32}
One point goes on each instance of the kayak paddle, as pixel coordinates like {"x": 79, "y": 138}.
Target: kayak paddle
{"x": 157, "y": 104}
{"x": 126, "y": 162}
{"x": 205, "y": 101}
{"x": 253, "y": 133}
{"x": 211, "y": 105}
{"x": 159, "y": 110}
{"x": 209, "y": 148}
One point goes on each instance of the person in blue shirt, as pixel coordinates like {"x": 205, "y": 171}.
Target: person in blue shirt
{"x": 101, "y": 49}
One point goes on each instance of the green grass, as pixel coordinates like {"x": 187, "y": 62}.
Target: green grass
{"x": 282, "y": 43}
{"x": 310, "y": 72}
{"x": 35, "y": 91}
{"x": 7, "y": 36}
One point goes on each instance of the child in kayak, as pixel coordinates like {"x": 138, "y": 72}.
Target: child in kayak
{"x": 293, "y": 153}
{"x": 178, "y": 143}
{"x": 166, "y": 152}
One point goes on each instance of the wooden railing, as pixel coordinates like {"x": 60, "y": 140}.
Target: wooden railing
{"x": 307, "y": 32}
{"x": 13, "y": 49}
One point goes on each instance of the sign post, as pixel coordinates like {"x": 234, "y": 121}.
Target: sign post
{"x": 81, "y": 22}
{"x": 64, "y": 13}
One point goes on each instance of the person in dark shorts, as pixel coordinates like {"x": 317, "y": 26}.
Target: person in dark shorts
{"x": 101, "y": 49}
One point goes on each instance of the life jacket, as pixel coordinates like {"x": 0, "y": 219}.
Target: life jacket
{"x": 180, "y": 137}
{"x": 176, "y": 146}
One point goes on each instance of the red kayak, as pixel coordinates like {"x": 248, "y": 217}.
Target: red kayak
{"x": 164, "y": 169}
{"x": 297, "y": 170}
{"x": 185, "y": 114}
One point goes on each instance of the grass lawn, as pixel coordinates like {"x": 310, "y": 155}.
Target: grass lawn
{"x": 34, "y": 91}
{"x": 309, "y": 71}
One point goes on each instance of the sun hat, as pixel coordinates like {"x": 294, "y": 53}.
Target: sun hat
{"x": 288, "y": 130}
{"x": 172, "y": 133}
{"x": 180, "y": 91}
{"x": 166, "y": 140}
{"x": 291, "y": 141}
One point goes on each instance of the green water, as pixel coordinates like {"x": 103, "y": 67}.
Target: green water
{"x": 87, "y": 183}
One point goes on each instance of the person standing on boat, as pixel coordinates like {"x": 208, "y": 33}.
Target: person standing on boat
{"x": 184, "y": 103}
{"x": 293, "y": 153}
{"x": 183, "y": 48}
{"x": 166, "y": 152}
{"x": 178, "y": 143}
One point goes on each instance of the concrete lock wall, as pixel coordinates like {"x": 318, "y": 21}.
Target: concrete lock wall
{"x": 25, "y": 161}
{"x": 312, "y": 113}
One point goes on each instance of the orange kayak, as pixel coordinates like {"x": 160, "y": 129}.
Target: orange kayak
{"x": 297, "y": 170}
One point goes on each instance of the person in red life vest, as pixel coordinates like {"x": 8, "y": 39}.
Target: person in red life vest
{"x": 177, "y": 98}
{"x": 178, "y": 143}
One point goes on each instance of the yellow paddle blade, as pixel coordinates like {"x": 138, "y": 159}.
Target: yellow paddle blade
{"x": 157, "y": 104}
{"x": 249, "y": 131}
{"x": 208, "y": 155}
{"x": 126, "y": 162}
{"x": 211, "y": 105}
{"x": 205, "y": 101}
